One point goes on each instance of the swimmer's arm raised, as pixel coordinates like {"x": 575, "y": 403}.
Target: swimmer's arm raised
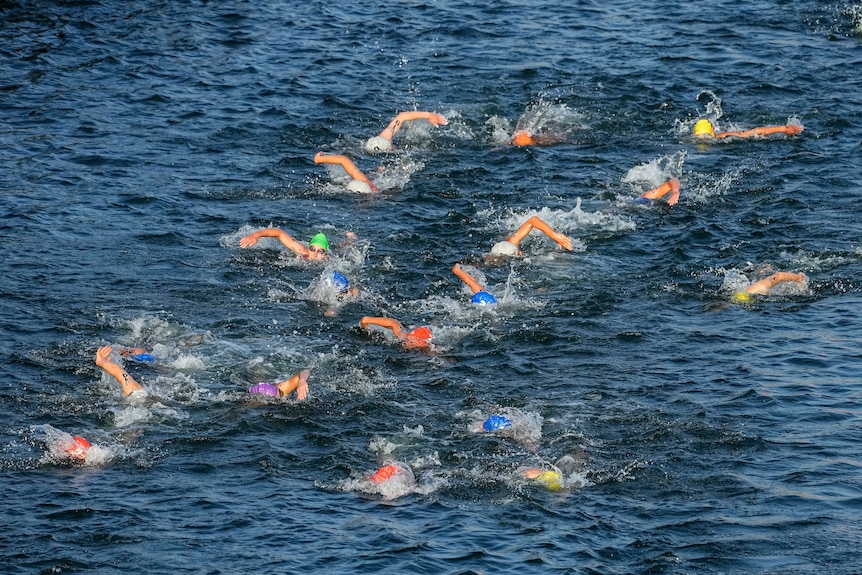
{"x": 396, "y": 123}
{"x": 103, "y": 360}
{"x": 384, "y": 322}
{"x": 789, "y": 129}
{"x": 281, "y": 235}
{"x": 346, "y": 163}
{"x": 535, "y": 222}
{"x": 671, "y": 186}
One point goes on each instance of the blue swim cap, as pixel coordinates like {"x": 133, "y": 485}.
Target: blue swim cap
{"x": 341, "y": 282}
{"x": 496, "y": 422}
{"x": 640, "y": 200}
{"x": 264, "y": 389}
{"x": 144, "y": 357}
{"x": 483, "y": 298}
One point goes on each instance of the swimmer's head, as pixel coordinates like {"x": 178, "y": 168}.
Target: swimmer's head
{"x": 704, "y": 128}
{"x": 264, "y": 389}
{"x": 421, "y": 333}
{"x": 496, "y": 422}
{"x": 340, "y": 281}
{"x": 522, "y": 138}
{"x": 550, "y": 480}
{"x": 318, "y": 246}
{"x": 385, "y": 473}
{"x": 143, "y": 357}
{"x": 78, "y": 448}
{"x": 419, "y": 338}
{"x": 378, "y": 144}
{"x": 359, "y": 187}
{"x": 505, "y": 248}
{"x": 483, "y": 298}
{"x": 742, "y": 296}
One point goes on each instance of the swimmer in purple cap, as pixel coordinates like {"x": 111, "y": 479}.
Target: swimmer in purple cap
{"x": 480, "y": 296}
{"x": 298, "y": 383}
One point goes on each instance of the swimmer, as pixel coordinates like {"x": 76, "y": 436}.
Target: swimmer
{"x": 419, "y": 337}
{"x": 705, "y": 129}
{"x": 391, "y": 471}
{"x": 359, "y": 182}
{"x": 127, "y": 383}
{"x": 669, "y": 187}
{"x": 547, "y": 478}
{"x": 480, "y": 296}
{"x": 764, "y": 286}
{"x": 523, "y": 138}
{"x": 77, "y": 449}
{"x": 137, "y": 354}
{"x": 383, "y": 141}
{"x": 495, "y": 423}
{"x": 340, "y": 282}
{"x": 298, "y": 383}
{"x": 510, "y": 247}
{"x": 317, "y": 248}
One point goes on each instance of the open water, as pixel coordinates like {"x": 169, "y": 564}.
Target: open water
{"x": 139, "y": 141}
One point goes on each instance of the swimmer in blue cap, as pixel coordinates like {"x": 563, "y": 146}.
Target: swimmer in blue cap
{"x": 317, "y": 248}
{"x": 669, "y": 187}
{"x": 359, "y": 182}
{"x": 127, "y": 383}
{"x": 383, "y": 141}
{"x": 138, "y": 354}
{"x": 496, "y": 423}
{"x": 510, "y": 247}
{"x": 418, "y": 338}
{"x": 341, "y": 284}
{"x": 480, "y": 296}
{"x": 298, "y": 383}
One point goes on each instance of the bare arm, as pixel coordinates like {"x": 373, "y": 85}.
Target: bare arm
{"x": 790, "y": 130}
{"x": 103, "y": 360}
{"x": 385, "y": 322}
{"x": 395, "y": 125}
{"x": 298, "y": 382}
{"x": 669, "y": 187}
{"x": 283, "y": 237}
{"x": 764, "y": 286}
{"x": 534, "y": 222}
{"x": 344, "y": 162}
{"x": 467, "y": 279}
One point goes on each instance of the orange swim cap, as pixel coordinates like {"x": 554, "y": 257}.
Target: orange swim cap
{"x": 384, "y": 473}
{"x": 420, "y": 333}
{"x": 78, "y": 448}
{"x": 523, "y": 139}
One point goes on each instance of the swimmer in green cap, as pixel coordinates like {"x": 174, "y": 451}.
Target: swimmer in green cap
{"x": 510, "y": 247}
{"x": 764, "y": 286}
{"x": 317, "y": 248}
{"x": 359, "y": 182}
{"x": 383, "y": 141}
{"x": 705, "y": 129}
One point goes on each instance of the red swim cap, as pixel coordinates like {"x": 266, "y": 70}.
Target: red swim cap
{"x": 78, "y": 448}
{"x": 523, "y": 139}
{"x": 384, "y": 473}
{"x": 420, "y": 333}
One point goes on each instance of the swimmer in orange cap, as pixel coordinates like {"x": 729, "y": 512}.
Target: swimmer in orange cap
{"x": 705, "y": 129}
{"x": 383, "y": 141}
{"x": 669, "y": 187}
{"x": 317, "y": 248}
{"x": 127, "y": 383}
{"x": 523, "y": 138}
{"x": 419, "y": 338}
{"x": 77, "y": 449}
{"x": 509, "y": 247}
{"x": 764, "y": 286}
{"x": 359, "y": 182}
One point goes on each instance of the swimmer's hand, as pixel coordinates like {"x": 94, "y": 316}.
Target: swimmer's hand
{"x": 302, "y": 387}
{"x": 563, "y": 241}
{"x": 436, "y": 119}
{"x": 249, "y": 240}
{"x": 103, "y": 355}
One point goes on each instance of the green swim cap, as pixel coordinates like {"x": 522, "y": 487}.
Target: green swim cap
{"x": 320, "y": 241}
{"x": 550, "y": 480}
{"x": 742, "y": 296}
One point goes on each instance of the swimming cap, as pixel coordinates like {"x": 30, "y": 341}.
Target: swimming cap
{"x": 320, "y": 241}
{"x": 144, "y": 357}
{"x": 359, "y": 187}
{"x": 264, "y": 389}
{"x": 483, "y": 298}
{"x": 504, "y": 248}
{"x": 378, "y": 144}
{"x": 78, "y": 448}
{"x": 523, "y": 139}
{"x": 496, "y": 422}
{"x": 703, "y": 127}
{"x": 384, "y": 473}
{"x": 551, "y": 480}
{"x": 742, "y": 296}
{"x": 420, "y": 333}
{"x": 342, "y": 284}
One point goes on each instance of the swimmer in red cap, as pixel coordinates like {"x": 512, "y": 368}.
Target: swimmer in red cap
{"x": 510, "y": 247}
{"x": 127, "y": 383}
{"x": 77, "y": 449}
{"x": 359, "y": 182}
{"x": 383, "y": 141}
{"x": 669, "y": 187}
{"x": 764, "y": 286}
{"x": 705, "y": 129}
{"x": 419, "y": 338}
{"x": 317, "y": 248}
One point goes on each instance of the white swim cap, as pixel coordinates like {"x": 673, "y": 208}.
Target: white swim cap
{"x": 504, "y": 248}
{"x": 359, "y": 187}
{"x": 378, "y": 144}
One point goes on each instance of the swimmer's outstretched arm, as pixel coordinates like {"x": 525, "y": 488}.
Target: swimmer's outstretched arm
{"x": 534, "y": 222}
{"x": 283, "y": 237}
{"x": 346, "y": 163}
{"x": 385, "y": 322}
{"x": 103, "y": 360}
{"x": 763, "y": 286}
{"x": 671, "y": 186}
{"x": 467, "y": 279}
{"x": 298, "y": 383}
{"x": 789, "y": 129}
{"x": 396, "y": 123}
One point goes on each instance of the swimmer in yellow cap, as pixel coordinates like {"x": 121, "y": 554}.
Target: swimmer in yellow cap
{"x": 547, "y": 478}
{"x": 705, "y": 129}
{"x": 510, "y": 247}
{"x": 127, "y": 383}
{"x": 317, "y": 248}
{"x": 359, "y": 182}
{"x": 764, "y": 286}
{"x": 419, "y": 338}
{"x": 383, "y": 141}
{"x": 669, "y": 187}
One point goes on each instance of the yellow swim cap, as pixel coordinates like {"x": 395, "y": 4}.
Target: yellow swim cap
{"x": 550, "y": 480}
{"x": 703, "y": 127}
{"x": 742, "y": 296}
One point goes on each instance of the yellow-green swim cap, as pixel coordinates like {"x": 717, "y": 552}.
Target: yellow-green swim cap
{"x": 742, "y": 296}
{"x": 703, "y": 127}
{"x": 320, "y": 241}
{"x": 550, "y": 480}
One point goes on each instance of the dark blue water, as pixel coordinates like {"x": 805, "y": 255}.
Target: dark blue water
{"x": 139, "y": 141}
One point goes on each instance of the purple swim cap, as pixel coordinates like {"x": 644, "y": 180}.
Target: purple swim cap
{"x": 264, "y": 389}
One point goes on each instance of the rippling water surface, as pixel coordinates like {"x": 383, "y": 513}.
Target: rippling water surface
{"x": 139, "y": 141}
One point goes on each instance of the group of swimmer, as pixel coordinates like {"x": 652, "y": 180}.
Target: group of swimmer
{"x": 421, "y": 337}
